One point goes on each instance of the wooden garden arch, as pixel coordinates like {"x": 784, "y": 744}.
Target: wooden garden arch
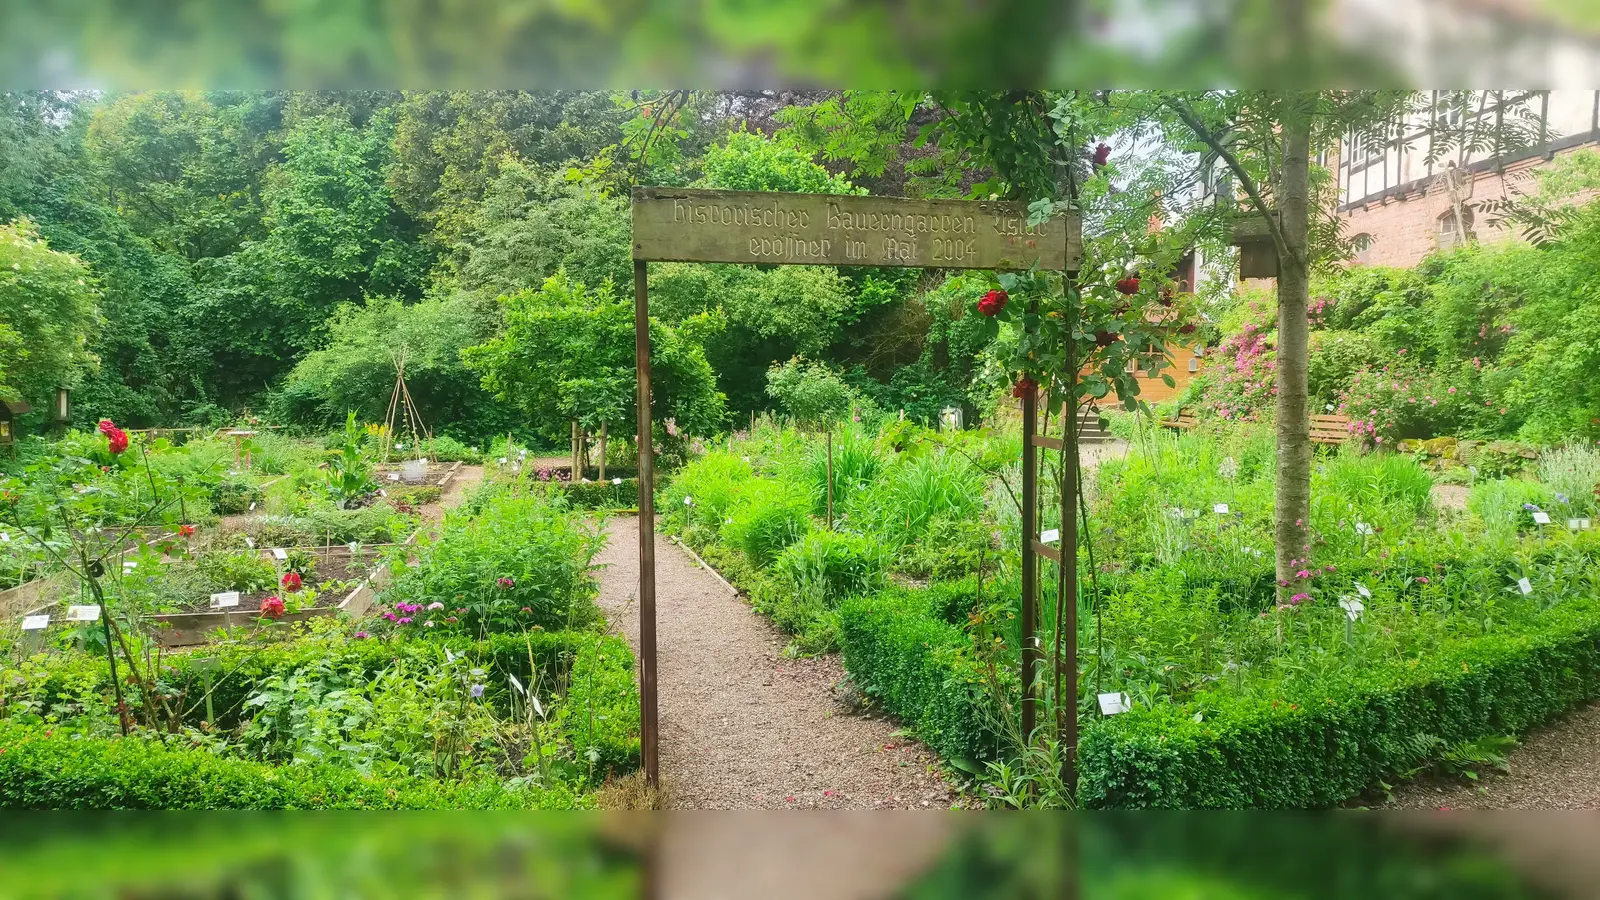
{"x": 763, "y": 228}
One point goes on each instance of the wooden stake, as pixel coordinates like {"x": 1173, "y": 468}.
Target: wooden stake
{"x": 602, "y": 451}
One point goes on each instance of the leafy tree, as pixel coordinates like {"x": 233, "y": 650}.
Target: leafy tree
{"x": 810, "y": 391}
{"x": 356, "y": 370}
{"x": 754, "y": 162}
{"x": 563, "y": 340}
{"x": 48, "y": 309}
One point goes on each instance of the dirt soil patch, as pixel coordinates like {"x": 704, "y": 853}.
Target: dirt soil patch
{"x": 741, "y": 725}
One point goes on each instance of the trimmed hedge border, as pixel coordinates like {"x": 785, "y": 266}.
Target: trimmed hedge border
{"x": 1326, "y": 746}
{"x": 43, "y": 771}
{"x": 918, "y": 667}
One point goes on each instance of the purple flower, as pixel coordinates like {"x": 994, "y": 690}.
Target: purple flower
{"x": 361, "y": 635}
{"x": 506, "y": 583}
{"x": 1422, "y": 579}
{"x": 477, "y": 691}
{"x": 1530, "y": 507}
{"x": 1303, "y": 573}
{"x": 1561, "y": 498}
{"x": 1298, "y": 599}
{"x": 1329, "y": 568}
{"x": 390, "y": 616}
{"x": 405, "y": 620}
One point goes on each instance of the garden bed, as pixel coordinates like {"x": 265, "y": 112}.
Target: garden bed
{"x": 435, "y": 474}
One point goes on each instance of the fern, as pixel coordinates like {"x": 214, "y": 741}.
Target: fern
{"x": 1467, "y": 757}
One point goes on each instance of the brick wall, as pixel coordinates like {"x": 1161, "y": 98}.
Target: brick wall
{"x": 1404, "y": 229}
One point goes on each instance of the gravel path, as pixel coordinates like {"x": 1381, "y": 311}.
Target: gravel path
{"x": 467, "y": 477}
{"x": 741, "y": 726}
{"x": 1557, "y": 767}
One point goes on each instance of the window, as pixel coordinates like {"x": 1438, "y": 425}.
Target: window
{"x": 1453, "y": 233}
{"x": 1362, "y": 245}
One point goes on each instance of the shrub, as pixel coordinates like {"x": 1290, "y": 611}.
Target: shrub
{"x": 1333, "y": 740}
{"x": 599, "y": 494}
{"x": 1572, "y": 473}
{"x": 41, "y": 770}
{"x": 768, "y": 518}
{"x": 519, "y": 562}
{"x": 234, "y": 495}
{"x": 900, "y": 653}
{"x": 827, "y": 566}
{"x": 1502, "y": 506}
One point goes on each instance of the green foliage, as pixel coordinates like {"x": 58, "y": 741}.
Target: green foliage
{"x": 48, "y": 310}
{"x": 816, "y": 573}
{"x": 349, "y": 478}
{"x": 811, "y": 392}
{"x": 1380, "y": 479}
{"x": 514, "y": 563}
{"x": 916, "y": 666}
{"x": 713, "y": 484}
{"x": 40, "y": 771}
{"x": 1572, "y": 473}
{"x": 561, "y": 339}
{"x": 746, "y": 161}
{"x": 233, "y": 495}
{"x": 767, "y": 518}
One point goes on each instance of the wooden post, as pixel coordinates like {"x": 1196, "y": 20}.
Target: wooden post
{"x": 572, "y": 450}
{"x": 602, "y": 451}
{"x": 830, "y": 479}
{"x": 648, "y": 733}
{"x": 1030, "y": 561}
{"x": 1067, "y": 620}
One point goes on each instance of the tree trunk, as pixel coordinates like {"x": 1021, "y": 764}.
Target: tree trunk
{"x": 1293, "y": 509}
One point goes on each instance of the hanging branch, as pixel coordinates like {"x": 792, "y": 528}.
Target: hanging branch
{"x": 1246, "y": 182}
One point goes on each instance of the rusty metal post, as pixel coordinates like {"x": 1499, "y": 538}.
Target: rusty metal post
{"x": 648, "y": 734}
{"x": 1028, "y": 627}
{"x": 1067, "y": 622}
{"x": 830, "y": 479}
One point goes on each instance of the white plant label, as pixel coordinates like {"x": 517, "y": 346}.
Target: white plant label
{"x": 252, "y": 507}
{"x": 616, "y": 481}
{"x": 383, "y": 493}
{"x": 1578, "y": 524}
{"x": 1352, "y": 607}
{"x": 502, "y": 460}
{"x": 35, "y": 623}
{"x": 355, "y": 546}
{"x": 1525, "y": 586}
{"x": 1363, "y": 528}
{"x": 1541, "y": 518}
{"x": 448, "y": 655}
{"x": 129, "y": 565}
{"x": 688, "y": 501}
{"x": 1113, "y": 703}
{"x": 537, "y": 706}
{"x": 1053, "y": 534}
{"x": 279, "y": 553}
{"x": 394, "y": 476}
{"x": 1198, "y": 717}
{"x": 517, "y": 684}
{"x": 1362, "y": 590}
{"x": 1220, "y": 509}
{"x": 224, "y": 600}
{"x": 5, "y": 537}
{"x": 83, "y": 613}
{"x": 250, "y": 543}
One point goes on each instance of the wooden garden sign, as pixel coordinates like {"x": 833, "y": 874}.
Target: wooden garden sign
{"x": 683, "y": 225}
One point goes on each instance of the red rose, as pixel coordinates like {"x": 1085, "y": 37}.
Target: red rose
{"x": 1188, "y": 328}
{"x": 1102, "y": 152}
{"x": 186, "y": 530}
{"x": 1129, "y": 285}
{"x": 1024, "y": 387}
{"x": 1166, "y": 297}
{"x": 272, "y": 608}
{"x": 291, "y": 581}
{"x": 1106, "y": 338}
{"x": 117, "y": 438}
{"x": 993, "y": 302}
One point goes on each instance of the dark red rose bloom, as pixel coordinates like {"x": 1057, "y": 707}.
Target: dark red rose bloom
{"x": 117, "y": 438}
{"x": 272, "y": 608}
{"x": 1024, "y": 387}
{"x": 1166, "y": 298}
{"x": 291, "y": 581}
{"x": 1102, "y": 153}
{"x": 1129, "y": 285}
{"x": 1106, "y": 338}
{"x": 993, "y": 302}
{"x": 1188, "y": 328}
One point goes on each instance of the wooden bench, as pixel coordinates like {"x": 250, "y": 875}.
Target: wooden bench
{"x": 1324, "y": 429}
{"x": 1330, "y": 429}
{"x": 1185, "y": 421}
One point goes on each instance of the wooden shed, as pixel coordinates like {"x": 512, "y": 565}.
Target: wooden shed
{"x": 10, "y": 412}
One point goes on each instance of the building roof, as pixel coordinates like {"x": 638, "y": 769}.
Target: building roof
{"x": 15, "y": 407}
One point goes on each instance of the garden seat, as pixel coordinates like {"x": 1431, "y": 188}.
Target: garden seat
{"x": 1330, "y": 429}
{"x": 1185, "y": 420}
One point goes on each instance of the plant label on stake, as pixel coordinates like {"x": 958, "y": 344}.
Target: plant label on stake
{"x": 448, "y": 655}
{"x": 394, "y": 476}
{"x": 616, "y": 481}
{"x": 1220, "y": 509}
{"x": 1541, "y": 518}
{"x": 517, "y": 684}
{"x": 1053, "y": 534}
{"x": 1525, "y": 586}
{"x": 83, "y": 613}
{"x": 225, "y": 599}
{"x": 35, "y": 623}
{"x": 1362, "y": 528}
{"x": 1578, "y": 524}
{"x": 1113, "y": 703}
{"x": 5, "y": 537}
{"x": 249, "y": 543}
{"x": 279, "y": 553}
{"x": 252, "y": 506}
{"x": 1362, "y": 590}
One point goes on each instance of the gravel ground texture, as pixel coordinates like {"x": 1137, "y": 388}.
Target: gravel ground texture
{"x": 467, "y": 478}
{"x": 1554, "y": 768}
{"x": 743, "y": 727}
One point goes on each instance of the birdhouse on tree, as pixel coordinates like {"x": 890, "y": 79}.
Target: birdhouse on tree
{"x": 10, "y": 412}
